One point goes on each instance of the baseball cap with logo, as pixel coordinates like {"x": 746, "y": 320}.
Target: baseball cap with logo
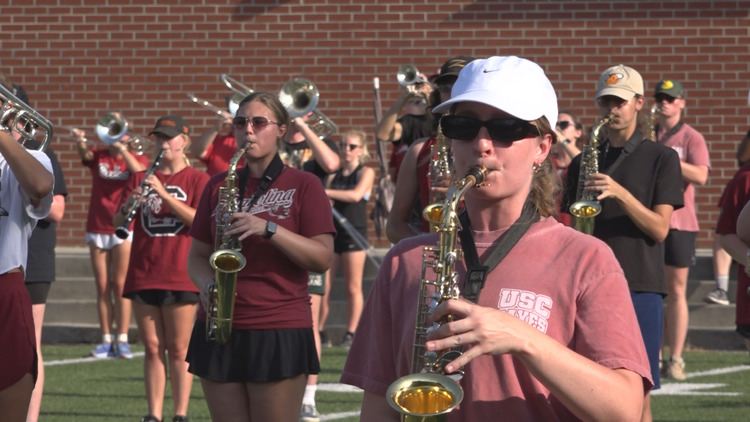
{"x": 452, "y": 68}
{"x": 514, "y": 85}
{"x": 621, "y": 81}
{"x": 171, "y": 126}
{"x": 670, "y": 87}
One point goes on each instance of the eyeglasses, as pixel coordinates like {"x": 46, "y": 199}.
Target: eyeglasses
{"x": 504, "y": 129}
{"x": 258, "y": 122}
{"x": 663, "y": 97}
{"x": 563, "y": 124}
{"x": 351, "y": 147}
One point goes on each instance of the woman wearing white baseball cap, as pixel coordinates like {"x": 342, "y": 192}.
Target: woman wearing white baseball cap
{"x": 548, "y": 331}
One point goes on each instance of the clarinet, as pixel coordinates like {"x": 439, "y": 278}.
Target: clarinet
{"x": 123, "y": 231}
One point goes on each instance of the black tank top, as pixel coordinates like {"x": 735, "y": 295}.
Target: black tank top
{"x": 355, "y": 212}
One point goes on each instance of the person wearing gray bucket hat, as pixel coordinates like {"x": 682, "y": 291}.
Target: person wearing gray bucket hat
{"x": 639, "y": 185}
{"x": 527, "y": 354}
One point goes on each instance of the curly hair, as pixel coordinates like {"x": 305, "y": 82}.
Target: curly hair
{"x": 546, "y": 186}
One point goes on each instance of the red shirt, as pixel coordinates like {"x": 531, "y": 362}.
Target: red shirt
{"x": 109, "y": 178}
{"x": 219, "y": 153}
{"x": 158, "y": 259}
{"x": 271, "y": 289}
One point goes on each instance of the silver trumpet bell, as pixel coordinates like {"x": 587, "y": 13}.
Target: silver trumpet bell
{"x": 113, "y": 127}
{"x": 408, "y": 76}
{"x": 300, "y": 97}
{"x": 18, "y": 117}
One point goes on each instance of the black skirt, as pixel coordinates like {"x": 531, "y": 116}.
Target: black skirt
{"x": 253, "y": 355}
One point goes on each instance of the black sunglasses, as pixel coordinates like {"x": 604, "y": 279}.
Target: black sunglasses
{"x": 258, "y": 122}
{"x": 504, "y": 129}
{"x": 351, "y": 147}
{"x": 663, "y": 97}
{"x": 563, "y": 124}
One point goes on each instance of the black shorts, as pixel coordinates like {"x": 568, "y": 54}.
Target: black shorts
{"x": 253, "y": 355}
{"x": 38, "y": 291}
{"x": 162, "y": 297}
{"x": 344, "y": 242}
{"x": 679, "y": 248}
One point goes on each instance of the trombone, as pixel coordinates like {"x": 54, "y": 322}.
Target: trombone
{"x": 18, "y": 117}
{"x": 240, "y": 91}
{"x": 113, "y": 127}
{"x": 300, "y": 97}
{"x": 206, "y": 104}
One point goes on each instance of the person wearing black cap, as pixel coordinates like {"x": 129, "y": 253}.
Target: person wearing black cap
{"x": 405, "y": 219}
{"x": 163, "y": 296}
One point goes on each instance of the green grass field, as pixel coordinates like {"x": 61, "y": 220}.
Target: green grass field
{"x": 87, "y": 390}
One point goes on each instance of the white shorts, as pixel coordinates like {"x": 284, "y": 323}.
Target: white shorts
{"x": 105, "y": 241}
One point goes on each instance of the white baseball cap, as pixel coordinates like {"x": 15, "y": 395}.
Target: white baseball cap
{"x": 514, "y": 85}
{"x": 621, "y": 81}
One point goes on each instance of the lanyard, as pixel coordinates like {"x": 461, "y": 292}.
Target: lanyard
{"x": 269, "y": 175}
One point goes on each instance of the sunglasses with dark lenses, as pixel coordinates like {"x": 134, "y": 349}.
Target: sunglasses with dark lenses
{"x": 662, "y": 97}
{"x": 258, "y": 122}
{"x": 504, "y": 129}
{"x": 351, "y": 147}
{"x": 564, "y": 124}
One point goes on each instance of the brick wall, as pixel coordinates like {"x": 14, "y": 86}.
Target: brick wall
{"x": 80, "y": 59}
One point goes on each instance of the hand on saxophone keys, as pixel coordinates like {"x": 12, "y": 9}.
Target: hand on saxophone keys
{"x": 605, "y": 186}
{"x": 243, "y": 225}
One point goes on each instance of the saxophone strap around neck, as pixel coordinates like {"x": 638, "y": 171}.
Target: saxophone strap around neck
{"x": 630, "y": 146}
{"x": 269, "y": 175}
{"x": 477, "y": 271}
{"x": 669, "y": 133}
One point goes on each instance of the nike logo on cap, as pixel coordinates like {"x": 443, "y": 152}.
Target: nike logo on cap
{"x": 488, "y": 71}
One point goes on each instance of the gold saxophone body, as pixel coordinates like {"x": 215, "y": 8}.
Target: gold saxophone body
{"x": 226, "y": 260}
{"x": 439, "y": 172}
{"x": 587, "y": 207}
{"x": 653, "y": 119}
{"x": 427, "y": 393}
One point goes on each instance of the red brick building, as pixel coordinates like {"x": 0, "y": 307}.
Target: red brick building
{"x": 81, "y": 59}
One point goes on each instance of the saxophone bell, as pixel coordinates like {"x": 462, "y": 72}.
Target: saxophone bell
{"x": 226, "y": 264}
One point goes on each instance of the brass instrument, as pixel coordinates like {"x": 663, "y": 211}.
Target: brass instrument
{"x": 428, "y": 394}
{"x": 440, "y": 166}
{"x": 208, "y": 105}
{"x": 299, "y": 97}
{"x": 240, "y": 91}
{"x": 587, "y": 207}
{"x": 226, "y": 260}
{"x": 123, "y": 230}
{"x": 113, "y": 127}
{"x": 408, "y": 76}
{"x": 653, "y": 119}
{"x": 18, "y": 117}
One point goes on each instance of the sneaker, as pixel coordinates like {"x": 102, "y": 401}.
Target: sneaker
{"x": 324, "y": 340}
{"x": 180, "y": 418}
{"x": 346, "y": 342}
{"x": 150, "y": 418}
{"x": 676, "y": 369}
{"x": 309, "y": 413}
{"x": 123, "y": 350}
{"x": 717, "y": 296}
{"x": 104, "y": 350}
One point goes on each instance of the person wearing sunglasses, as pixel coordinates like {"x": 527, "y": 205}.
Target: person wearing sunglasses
{"x": 640, "y": 185}
{"x": 679, "y": 246}
{"x": 570, "y": 128}
{"x": 535, "y": 326}
{"x": 349, "y": 189}
{"x": 415, "y": 187}
{"x": 285, "y": 227}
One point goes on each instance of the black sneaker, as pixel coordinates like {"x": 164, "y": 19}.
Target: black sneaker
{"x": 150, "y": 418}
{"x": 346, "y": 342}
{"x": 324, "y": 340}
{"x": 180, "y": 418}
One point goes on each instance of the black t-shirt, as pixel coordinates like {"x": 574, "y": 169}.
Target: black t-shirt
{"x": 652, "y": 175}
{"x": 40, "y": 265}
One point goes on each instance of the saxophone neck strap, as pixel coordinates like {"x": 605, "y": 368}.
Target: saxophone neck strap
{"x": 669, "y": 133}
{"x": 269, "y": 175}
{"x": 476, "y": 271}
{"x": 630, "y": 146}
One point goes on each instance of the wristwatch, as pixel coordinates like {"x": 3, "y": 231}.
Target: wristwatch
{"x": 270, "y": 230}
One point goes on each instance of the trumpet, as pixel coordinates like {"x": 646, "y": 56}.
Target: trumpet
{"x": 113, "y": 127}
{"x": 206, "y": 104}
{"x": 240, "y": 91}
{"x": 409, "y": 77}
{"x": 299, "y": 97}
{"x": 18, "y": 117}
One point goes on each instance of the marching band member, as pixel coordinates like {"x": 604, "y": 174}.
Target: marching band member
{"x": 261, "y": 372}
{"x": 111, "y": 167}
{"x": 545, "y": 340}
{"x": 26, "y": 183}
{"x": 164, "y": 299}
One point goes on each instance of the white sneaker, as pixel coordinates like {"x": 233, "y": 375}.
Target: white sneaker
{"x": 309, "y": 413}
{"x": 717, "y": 296}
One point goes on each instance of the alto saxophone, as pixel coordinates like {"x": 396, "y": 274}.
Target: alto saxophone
{"x": 427, "y": 393}
{"x": 587, "y": 207}
{"x": 226, "y": 260}
{"x": 440, "y": 166}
